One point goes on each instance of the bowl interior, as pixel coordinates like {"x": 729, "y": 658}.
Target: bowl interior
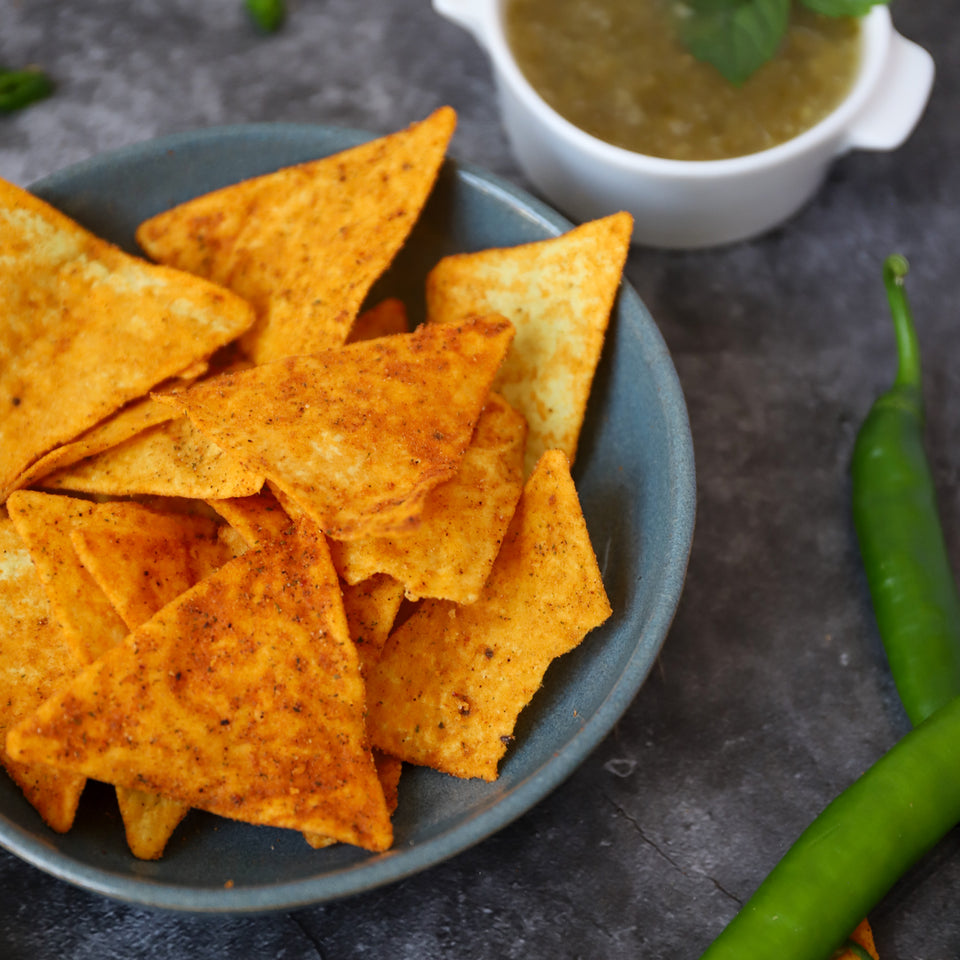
{"x": 636, "y": 480}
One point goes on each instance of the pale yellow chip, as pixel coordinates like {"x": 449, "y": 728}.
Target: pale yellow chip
{"x": 452, "y": 680}
{"x": 86, "y": 328}
{"x": 142, "y": 559}
{"x": 34, "y": 662}
{"x": 242, "y": 697}
{"x": 388, "y": 317}
{"x": 357, "y": 436}
{"x": 451, "y": 551}
{"x": 558, "y": 293}
{"x": 170, "y": 459}
{"x": 44, "y": 520}
{"x": 306, "y": 243}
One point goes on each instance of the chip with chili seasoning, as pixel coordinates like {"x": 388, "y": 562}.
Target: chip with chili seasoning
{"x": 242, "y": 697}
{"x": 86, "y": 328}
{"x": 558, "y": 293}
{"x": 452, "y": 680}
{"x": 387, "y": 317}
{"x": 142, "y": 558}
{"x": 168, "y": 459}
{"x": 90, "y": 623}
{"x": 450, "y": 552}
{"x": 304, "y": 244}
{"x": 34, "y": 662}
{"x": 357, "y": 436}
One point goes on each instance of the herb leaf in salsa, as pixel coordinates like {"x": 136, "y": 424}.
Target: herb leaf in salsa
{"x": 735, "y": 36}
{"x": 739, "y": 36}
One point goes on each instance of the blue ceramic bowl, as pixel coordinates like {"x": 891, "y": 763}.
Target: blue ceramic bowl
{"x": 635, "y": 475}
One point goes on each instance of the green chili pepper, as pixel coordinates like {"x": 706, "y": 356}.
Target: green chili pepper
{"x": 19, "y": 88}
{"x": 901, "y": 541}
{"x": 268, "y": 15}
{"x": 848, "y": 858}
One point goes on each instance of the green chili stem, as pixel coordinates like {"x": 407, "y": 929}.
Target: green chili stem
{"x": 895, "y": 269}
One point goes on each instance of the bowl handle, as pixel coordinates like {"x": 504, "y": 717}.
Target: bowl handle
{"x": 465, "y": 13}
{"x": 898, "y": 102}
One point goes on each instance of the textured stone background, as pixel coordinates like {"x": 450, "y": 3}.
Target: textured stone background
{"x": 772, "y": 692}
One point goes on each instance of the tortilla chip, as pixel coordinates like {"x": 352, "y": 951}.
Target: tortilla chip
{"x": 558, "y": 293}
{"x": 242, "y": 697}
{"x": 256, "y": 519}
{"x": 86, "y": 328}
{"x": 336, "y": 431}
{"x": 371, "y": 607}
{"x": 121, "y": 426}
{"x": 306, "y": 243}
{"x": 452, "y": 680}
{"x": 171, "y": 459}
{"x": 44, "y": 520}
{"x": 34, "y": 662}
{"x": 385, "y": 319}
{"x": 142, "y": 559}
{"x": 388, "y": 772}
{"x": 450, "y": 553}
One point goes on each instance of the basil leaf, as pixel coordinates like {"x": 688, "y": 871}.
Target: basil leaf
{"x": 842, "y": 8}
{"x": 735, "y": 36}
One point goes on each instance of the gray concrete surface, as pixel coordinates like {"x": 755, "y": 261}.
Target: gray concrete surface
{"x": 772, "y": 692}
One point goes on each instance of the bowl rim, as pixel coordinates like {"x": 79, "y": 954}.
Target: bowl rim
{"x": 460, "y": 836}
{"x": 876, "y": 38}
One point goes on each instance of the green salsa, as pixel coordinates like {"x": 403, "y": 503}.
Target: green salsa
{"x": 616, "y": 69}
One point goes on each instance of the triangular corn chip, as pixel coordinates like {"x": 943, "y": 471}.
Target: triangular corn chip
{"x": 383, "y": 320}
{"x": 256, "y": 519}
{"x": 44, "y": 520}
{"x": 116, "y": 429}
{"x": 305, "y": 244}
{"x": 142, "y": 559}
{"x": 242, "y": 697}
{"x": 336, "y": 431}
{"x": 34, "y": 662}
{"x": 451, "y": 551}
{"x": 86, "y": 328}
{"x": 388, "y": 772}
{"x": 371, "y": 607}
{"x": 558, "y": 293}
{"x": 170, "y": 459}
{"x": 452, "y": 680}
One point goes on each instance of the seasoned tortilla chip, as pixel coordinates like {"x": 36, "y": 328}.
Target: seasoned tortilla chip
{"x": 371, "y": 607}
{"x": 142, "y": 559}
{"x": 558, "y": 293}
{"x": 357, "y": 436}
{"x": 170, "y": 459}
{"x": 34, "y": 662}
{"x": 305, "y": 244}
{"x": 242, "y": 697}
{"x": 90, "y": 624}
{"x": 452, "y": 680}
{"x": 256, "y": 519}
{"x": 86, "y": 328}
{"x": 451, "y": 551}
{"x": 383, "y": 320}
{"x": 119, "y": 427}
{"x": 388, "y": 772}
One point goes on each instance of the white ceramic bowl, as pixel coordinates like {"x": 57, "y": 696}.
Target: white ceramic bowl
{"x": 684, "y": 204}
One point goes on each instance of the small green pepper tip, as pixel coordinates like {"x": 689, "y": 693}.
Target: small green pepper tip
{"x": 895, "y": 268}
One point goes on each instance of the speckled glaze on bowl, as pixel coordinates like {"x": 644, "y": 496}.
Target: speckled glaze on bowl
{"x": 635, "y": 474}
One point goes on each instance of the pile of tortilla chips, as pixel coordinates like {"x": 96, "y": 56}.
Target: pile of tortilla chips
{"x": 221, "y": 477}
